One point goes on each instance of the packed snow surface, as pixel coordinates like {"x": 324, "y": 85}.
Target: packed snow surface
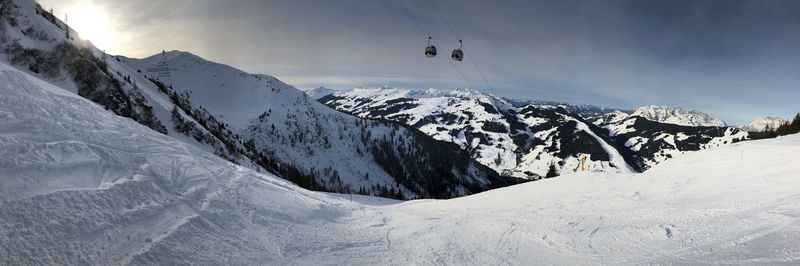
{"x": 79, "y": 185}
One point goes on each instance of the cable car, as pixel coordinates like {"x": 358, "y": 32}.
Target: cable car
{"x": 430, "y": 51}
{"x": 458, "y": 54}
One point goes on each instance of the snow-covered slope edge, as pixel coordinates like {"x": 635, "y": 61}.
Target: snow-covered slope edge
{"x": 36, "y": 41}
{"x": 80, "y": 185}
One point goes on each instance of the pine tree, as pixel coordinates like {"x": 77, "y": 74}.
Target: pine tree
{"x": 551, "y": 172}
{"x": 180, "y": 124}
{"x": 66, "y": 21}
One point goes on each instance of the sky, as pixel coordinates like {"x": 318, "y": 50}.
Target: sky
{"x": 736, "y": 60}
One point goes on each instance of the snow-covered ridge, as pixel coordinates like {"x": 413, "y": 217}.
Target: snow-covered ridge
{"x": 587, "y": 111}
{"x": 677, "y": 116}
{"x": 233, "y": 95}
{"x": 762, "y": 124}
{"x": 394, "y": 93}
{"x": 319, "y": 92}
{"x": 80, "y": 185}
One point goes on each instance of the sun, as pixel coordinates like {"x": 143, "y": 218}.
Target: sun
{"x": 93, "y": 24}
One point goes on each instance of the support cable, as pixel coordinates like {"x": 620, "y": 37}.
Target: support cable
{"x": 469, "y": 55}
{"x": 421, "y": 28}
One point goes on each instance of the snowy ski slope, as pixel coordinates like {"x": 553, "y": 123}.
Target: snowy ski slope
{"x": 80, "y": 185}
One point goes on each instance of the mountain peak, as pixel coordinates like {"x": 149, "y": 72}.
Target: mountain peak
{"x": 178, "y": 54}
{"x": 171, "y": 56}
{"x": 318, "y": 93}
{"x": 677, "y": 116}
{"x": 761, "y": 124}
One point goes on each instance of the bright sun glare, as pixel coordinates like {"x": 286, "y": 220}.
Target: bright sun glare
{"x": 93, "y": 24}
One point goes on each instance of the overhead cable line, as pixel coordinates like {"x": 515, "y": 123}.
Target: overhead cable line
{"x": 408, "y": 12}
{"x": 469, "y": 55}
{"x": 431, "y": 39}
{"x": 445, "y": 20}
{"x": 462, "y": 74}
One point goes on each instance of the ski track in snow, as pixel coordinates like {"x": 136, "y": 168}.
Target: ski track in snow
{"x": 616, "y": 158}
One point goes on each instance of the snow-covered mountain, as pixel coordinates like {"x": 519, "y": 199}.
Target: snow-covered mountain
{"x": 526, "y": 139}
{"x": 253, "y": 120}
{"x": 762, "y": 124}
{"x": 81, "y": 185}
{"x": 677, "y": 116}
{"x": 329, "y": 149}
{"x": 586, "y": 111}
{"x": 520, "y": 141}
{"x": 652, "y": 142}
{"x": 319, "y": 92}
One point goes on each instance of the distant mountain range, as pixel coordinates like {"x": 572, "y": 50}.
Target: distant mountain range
{"x": 663, "y": 114}
{"x": 527, "y": 139}
{"x": 677, "y": 116}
